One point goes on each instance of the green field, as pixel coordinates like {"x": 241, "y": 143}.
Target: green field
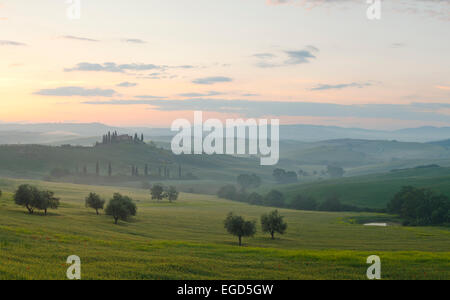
{"x": 186, "y": 240}
{"x": 373, "y": 191}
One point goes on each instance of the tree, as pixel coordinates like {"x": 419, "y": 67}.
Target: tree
{"x": 246, "y": 181}
{"x": 26, "y": 196}
{"x": 420, "y": 207}
{"x": 121, "y": 208}
{"x": 31, "y": 198}
{"x": 237, "y": 226}
{"x": 304, "y": 203}
{"x": 273, "y": 223}
{"x": 335, "y": 172}
{"x": 332, "y": 203}
{"x": 157, "y": 192}
{"x": 172, "y": 194}
{"x": 283, "y": 177}
{"x": 255, "y": 199}
{"x": 97, "y": 168}
{"x": 45, "y": 200}
{"x": 94, "y": 201}
{"x": 274, "y": 198}
{"x": 1, "y": 193}
{"x": 146, "y": 170}
{"x": 228, "y": 192}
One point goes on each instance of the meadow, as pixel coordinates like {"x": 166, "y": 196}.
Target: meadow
{"x": 186, "y": 240}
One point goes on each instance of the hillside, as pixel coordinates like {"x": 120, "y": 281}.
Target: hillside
{"x": 37, "y": 161}
{"x": 186, "y": 240}
{"x": 373, "y": 191}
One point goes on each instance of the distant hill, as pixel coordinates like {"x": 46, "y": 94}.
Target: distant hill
{"x": 373, "y": 191}
{"x": 305, "y": 133}
{"x": 354, "y": 154}
{"x": 445, "y": 143}
{"x": 38, "y": 161}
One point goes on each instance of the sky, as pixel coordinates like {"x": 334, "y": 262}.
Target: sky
{"x": 149, "y": 62}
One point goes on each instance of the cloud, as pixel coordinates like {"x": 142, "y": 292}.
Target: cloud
{"x": 124, "y": 68}
{"x": 264, "y": 55}
{"x": 323, "y": 87}
{"x": 398, "y": 45}
{"x": 113, "y": 67}
{"x": 77, "y": 38}
{"x": 11, "y": 43}
{"x": 196, "y": 95}
{"x": 299, "y": 57}
{"x": 69, "y": 91}
{"x": 135, "y": 41}
{"x": 438, "y": 9}
{"x": 147, "y": 97}
{"x": 127, "y": 84}
{"x": 255, "y": 109}
{"x": 293, "y": 57}
{"x": 212, "y": 80}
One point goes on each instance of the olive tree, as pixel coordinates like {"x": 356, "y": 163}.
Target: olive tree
{"x": 31, "y": 198}
{"x": 157, "y": 192}
{"x": 26, "y": 196}
{"x": 121, "y": 208}
{"x": 172, "y": 194}
{"x": 273, "y": 223}
{"x": 237, "y": 226}
{"x": 46, "y": 200}
{"x": 94, "y": 201}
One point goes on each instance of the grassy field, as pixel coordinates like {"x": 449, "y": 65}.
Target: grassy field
{"x": 373, "y": 191}
{"x": 186, "y": 240}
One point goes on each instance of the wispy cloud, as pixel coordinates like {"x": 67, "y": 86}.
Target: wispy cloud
{"x": 291, "y": 57}
{"x": 212, "y": 80}
{"x": 135, "y": 41}
{"x": 254, "y": 109}
{"x": 299, "y": 57}
{"x": 77, "y": 38}
{"x": 11, "y": 43}
{"x": 324, "y": 87}
{"x": 148, "y": 97}
{"x": 127, "y": 84}
{"x": 195, "y": 95}
{"x": 113, "y": 67}
{"x": 439, "y": 9}
{"x": 69, "y": 91}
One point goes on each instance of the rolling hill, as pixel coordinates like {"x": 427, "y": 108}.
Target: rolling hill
{"x": 186, "y": 240}
{"x": 373, "y": 191}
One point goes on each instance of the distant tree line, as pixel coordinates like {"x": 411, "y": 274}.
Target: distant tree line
{"x": 282, "y": 176}
{"x": 276, "y": 198}
{"x": 420, "y": 207}
{"x": 163, "y": 172}
{"x": 115, "y": 138}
